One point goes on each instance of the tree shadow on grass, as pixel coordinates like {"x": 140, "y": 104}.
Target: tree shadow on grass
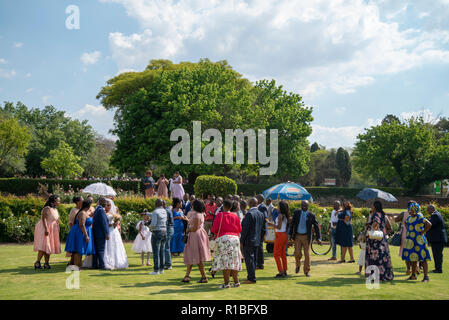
{"x": 56, "y": 267}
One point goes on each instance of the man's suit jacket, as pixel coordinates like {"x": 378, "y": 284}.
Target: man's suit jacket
{"x": 263, "y": 208}
{"x": 253, "y": 228}
{"x": 438, "y": 231}
{"x": 100, "y": 225}
{"x": 310, "y": 222}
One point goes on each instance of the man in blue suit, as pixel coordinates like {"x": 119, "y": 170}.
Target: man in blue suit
{"x": 100, "y": 229}
{"x": 251, "y": 238}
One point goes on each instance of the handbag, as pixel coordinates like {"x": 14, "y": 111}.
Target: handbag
{"x": 185, "y": 238}
{"x": 396, "y": 239}
{"x": 213, "y": 243}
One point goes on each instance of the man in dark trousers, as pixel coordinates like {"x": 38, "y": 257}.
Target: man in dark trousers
{"x": 262, "y": 208}
{"x": 301, "y": 232}
{"x": 437, "y": 237}
{"x": 100, "y": 229}
{"x": 253, "y": 226}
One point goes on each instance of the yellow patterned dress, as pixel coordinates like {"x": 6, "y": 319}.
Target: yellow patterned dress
{"x": 415, "y": 247}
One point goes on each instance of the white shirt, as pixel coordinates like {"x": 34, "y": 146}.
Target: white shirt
{"x": 334, "y": 216}
{"x": 283, "y": 226}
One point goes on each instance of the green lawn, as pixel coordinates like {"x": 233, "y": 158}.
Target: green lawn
{"x": 18, "y": 280}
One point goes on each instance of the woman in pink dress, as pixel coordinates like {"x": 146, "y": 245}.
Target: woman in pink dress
{"x": 162, "y": 186}
{"x": 177, "y": 188}
{"x": 46, "y": 233}
{"x": 197, "y": 248}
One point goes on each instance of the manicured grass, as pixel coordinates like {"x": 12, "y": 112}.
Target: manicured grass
{"x": 18, "y": 280}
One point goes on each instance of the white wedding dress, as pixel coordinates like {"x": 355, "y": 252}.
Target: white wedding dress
{"x": 114, "y": 251}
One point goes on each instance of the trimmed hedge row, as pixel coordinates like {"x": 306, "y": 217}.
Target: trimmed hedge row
{"x": 18, "y": 216}
{"x": 22, "y": 187}
{"x": 218, "y": 186}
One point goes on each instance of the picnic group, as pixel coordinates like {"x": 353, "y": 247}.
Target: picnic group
{"x": 230, "y": 232}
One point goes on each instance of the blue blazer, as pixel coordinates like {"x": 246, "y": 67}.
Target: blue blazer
{"x": 253, "y": 228}
{"x": 438, "y": 231}
{"x": 100, "y": 226}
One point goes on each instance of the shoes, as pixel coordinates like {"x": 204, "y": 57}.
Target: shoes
{"x": 154, "y": 273}
{"x": 47, "y": 266}
{"x": 186, "y": 279}
{"x": 297, "y": 270}
{"x": 37, "y": 265}
{"x": 332, "y": 259}
{"x": 161, "y": 271}
{"x": 425, "y": 279}
{"x": 224, "y": 286}
{"x": 437, "y": 271}
{"x": 202, "y": 280}
{"x": 236, "y": 285}
{"x": 260, "y": 268}
{"x": 168, "y": 268}
{"x": 307, "y": 275}
{"x": 341, "y": 261}
{"x": 412, "y": 277}
{"x": 408, "y": 273}
{"x": 279, "y": 275}
{"x": 249, "y": 282}
{"x": 351, "y": 261}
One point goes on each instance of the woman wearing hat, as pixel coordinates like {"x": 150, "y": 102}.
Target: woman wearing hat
{"x": 415, "y": 247}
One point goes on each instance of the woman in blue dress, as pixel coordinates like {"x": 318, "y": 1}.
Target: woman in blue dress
{"x": 80, "y": 240}
{"x": 344, "y": 234}
{"x": 415, "y": 247}
{"x": 177, "y": 245}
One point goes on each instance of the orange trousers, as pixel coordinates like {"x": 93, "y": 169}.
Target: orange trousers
{"x": 279, "y": 253}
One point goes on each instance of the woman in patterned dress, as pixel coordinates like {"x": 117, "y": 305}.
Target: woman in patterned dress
{"x": 415, "y": 247}
{"x": 227, "y": 257}
{"x": 377, "y": 251}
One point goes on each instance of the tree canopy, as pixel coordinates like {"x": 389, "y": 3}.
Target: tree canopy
{"x": 14, "y": 141}
{"x": 409, "y": 150}
{"x": 150, "y": 104}
{"x": 62, "y": 162}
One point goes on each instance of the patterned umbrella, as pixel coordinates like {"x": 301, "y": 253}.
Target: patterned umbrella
{"x": 370, "y": 193}
{"x": 100, "y": 189}
{"x": 287, "y": 191}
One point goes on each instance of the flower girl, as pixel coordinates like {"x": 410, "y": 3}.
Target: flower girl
{"x": 142, "y": 243}
{"x": 362, "y": 245}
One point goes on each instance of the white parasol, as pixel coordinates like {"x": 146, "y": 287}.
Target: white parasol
{"x": 100, "y": 189}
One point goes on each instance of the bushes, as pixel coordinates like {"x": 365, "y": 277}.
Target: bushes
{"x": 18, "y": 216}
{"x": 22, "y": 187}
{"x": 219, "y": 186}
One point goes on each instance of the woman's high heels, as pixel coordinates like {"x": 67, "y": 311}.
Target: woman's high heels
{"x": 47, "y": 266}
{"x": 37, "y": 265}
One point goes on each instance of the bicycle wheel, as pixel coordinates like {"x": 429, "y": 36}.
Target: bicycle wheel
{"x": 320, "y": 249}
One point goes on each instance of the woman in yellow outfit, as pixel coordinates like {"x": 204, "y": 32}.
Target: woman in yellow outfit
{"x": 415, "y": 247}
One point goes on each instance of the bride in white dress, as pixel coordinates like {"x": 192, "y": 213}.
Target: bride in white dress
{"x": 114, "y": 251}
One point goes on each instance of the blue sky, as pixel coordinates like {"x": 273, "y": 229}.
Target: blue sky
{"x": 354, "y": 61}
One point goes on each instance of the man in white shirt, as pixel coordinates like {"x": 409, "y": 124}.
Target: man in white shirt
{"x": 333, "y": 228}
{"x": 270, "y": 208}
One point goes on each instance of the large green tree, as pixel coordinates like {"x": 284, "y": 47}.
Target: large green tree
{"x": 149, "y": 105}
{"x": 14, "y": 140}
{"x": 409, "y": 150}
{"x": 48, "y": 127}
{"x": 63, "y": 162}
{"x": 343, "y": 163}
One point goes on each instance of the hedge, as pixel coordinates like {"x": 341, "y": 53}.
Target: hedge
{"x": 19, "y": 215}
{"x": 218, "y": 186}
{"x": 22, "y": 187}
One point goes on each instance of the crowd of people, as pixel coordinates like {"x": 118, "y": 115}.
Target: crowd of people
{"x": 229, "y": 232}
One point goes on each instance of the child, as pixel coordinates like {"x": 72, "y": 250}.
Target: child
{"x": 362, "y": 245}
{"x": 142, "y": 243}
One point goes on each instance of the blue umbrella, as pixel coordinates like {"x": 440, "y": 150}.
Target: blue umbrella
{"x": 370, "y": 193}
{"x": 287, "y": 191}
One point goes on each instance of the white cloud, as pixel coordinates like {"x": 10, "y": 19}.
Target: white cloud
{"x": 91, "y": 110}
{"x": 29, "y": 90}
{"x": 7, "y": 74}
{"x": 90, "y": 58}
{"x": 18, "y": 44}
{"x": 28, "y": 75}
{"x": 340, "y": 110}
{"x": 3, "y": 61}
{"x": 426, "y": 114}
{"x": 307, "y": 45}
{"x": 335, "y": 137}
{"x": 46, "y": 99}
{"x": 98, "y": 117}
